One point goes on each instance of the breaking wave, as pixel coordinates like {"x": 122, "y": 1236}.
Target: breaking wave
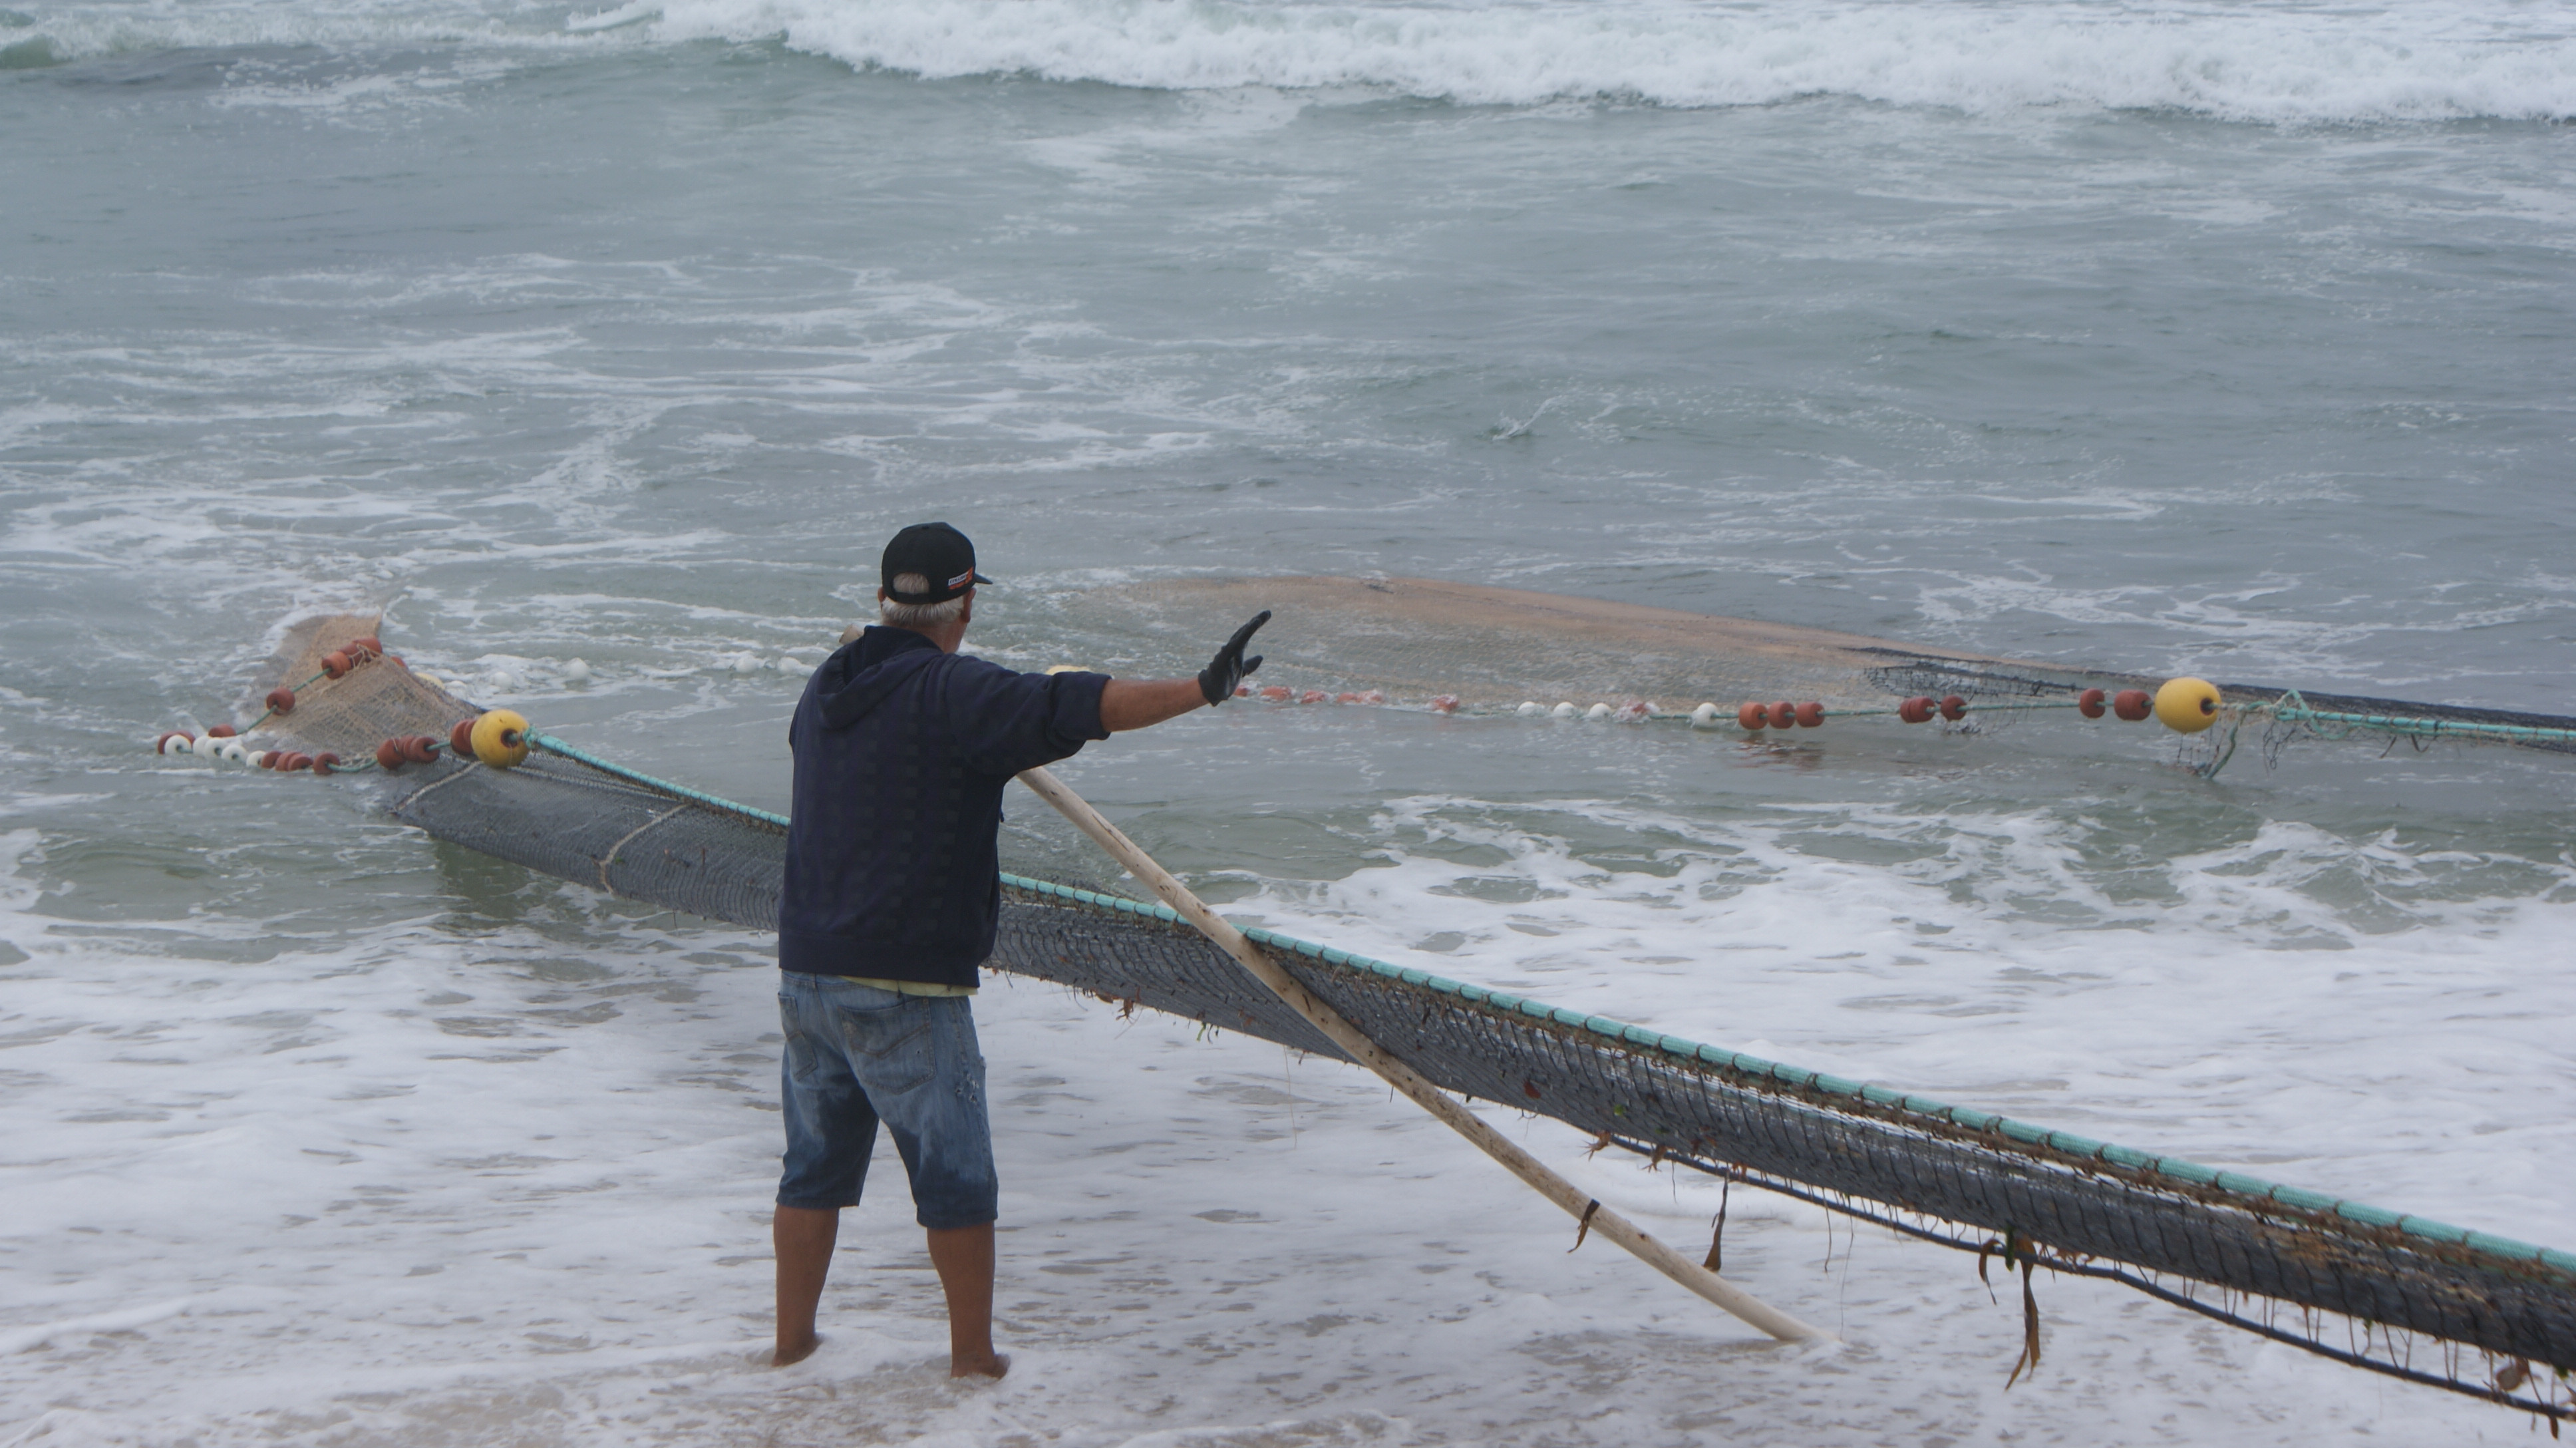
{"x": 2271, "y": 64}
{"x": 2276, "y": 64}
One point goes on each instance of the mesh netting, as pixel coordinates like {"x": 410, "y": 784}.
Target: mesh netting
{"x": 1732, "y": 1113}
{"x": 350, "y": 715}
{"x": 1974, "y": 1180}
{"x": 1417, "y": 638}
{"x": 1491, "y": 648}
{"x": 577, "y": 823}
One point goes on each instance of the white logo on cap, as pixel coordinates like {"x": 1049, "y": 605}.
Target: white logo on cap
{"x": 961, "y": 578}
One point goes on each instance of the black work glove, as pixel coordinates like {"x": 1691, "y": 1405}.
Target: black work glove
{"x": 1227, "y": 669}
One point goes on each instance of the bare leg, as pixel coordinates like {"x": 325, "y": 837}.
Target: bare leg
{"x": 803, "y": 1238}
{"x": 964, "y": 1257}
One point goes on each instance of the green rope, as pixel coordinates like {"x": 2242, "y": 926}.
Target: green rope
{"x": 298, "y": 689}
{"x": 2227, "y": 751}
{"x": 2291, "y": 708}
{"x": 552, "y": 745}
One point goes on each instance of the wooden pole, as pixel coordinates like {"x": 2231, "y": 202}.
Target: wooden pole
{"x": 1356, "y": 1045}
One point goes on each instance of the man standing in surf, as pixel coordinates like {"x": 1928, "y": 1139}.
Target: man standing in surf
{"x": 892, "y": 895}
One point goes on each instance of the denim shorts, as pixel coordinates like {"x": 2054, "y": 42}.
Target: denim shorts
{"x": 857, "y": 1055}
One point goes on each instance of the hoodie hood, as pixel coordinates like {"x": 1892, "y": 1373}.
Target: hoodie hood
{"x": 865, "y": 672}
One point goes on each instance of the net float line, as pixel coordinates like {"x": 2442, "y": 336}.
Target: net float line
{"x": 496, "y": 737}
{"x": 2288, "y": 716}
{"x": 1423, "y": 641}
{"x": 1756, "y": 716}
{"x": 2291, "y": 708}
{"x": 2130, "y": 704}
{"x": 2184, "y": 705}
{"x": 225, "y": 743}
{"x": 493, "y": 738}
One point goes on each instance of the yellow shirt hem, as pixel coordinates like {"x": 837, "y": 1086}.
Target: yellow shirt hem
{"x": 912, "y": 987}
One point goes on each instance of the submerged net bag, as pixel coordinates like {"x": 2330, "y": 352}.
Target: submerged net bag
{"x": 2502, "y": 1313}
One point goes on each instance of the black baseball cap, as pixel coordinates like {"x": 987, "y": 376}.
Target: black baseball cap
{"x": 936, "y": 552}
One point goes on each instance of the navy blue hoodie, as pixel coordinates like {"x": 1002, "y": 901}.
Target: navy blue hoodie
{"x": 901, "y": 755}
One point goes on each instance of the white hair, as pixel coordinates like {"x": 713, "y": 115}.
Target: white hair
{"x": 895, "y": 613}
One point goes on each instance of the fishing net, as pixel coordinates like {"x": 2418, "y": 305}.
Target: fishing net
{"x": 1494, "y": 648}
{"x": 349, "y": 715}
{"x": 2368, "y": 1287}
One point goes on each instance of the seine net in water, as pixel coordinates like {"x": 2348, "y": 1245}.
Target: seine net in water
{"x": 1490, "y": 648}
{"x": 2249, "y": 1252}
{"x": 1417, "y": 638}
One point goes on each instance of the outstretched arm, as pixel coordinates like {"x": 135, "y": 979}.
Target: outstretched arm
{"x": 1136, "y": 703}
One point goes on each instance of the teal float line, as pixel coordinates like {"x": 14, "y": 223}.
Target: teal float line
{"x": 2401, "y": 724}
{"x": 552, "y": 745}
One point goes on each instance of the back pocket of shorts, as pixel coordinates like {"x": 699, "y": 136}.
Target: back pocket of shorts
{"x": 893, "y": 1051}
{"x": 798, "y": 1045}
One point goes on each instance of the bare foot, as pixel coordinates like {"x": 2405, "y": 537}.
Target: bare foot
{"x": 988, "y": 1365}
{"x": 796, "y": 1353}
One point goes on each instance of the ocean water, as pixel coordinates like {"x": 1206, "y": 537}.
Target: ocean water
{"x": 2224, "y": 337}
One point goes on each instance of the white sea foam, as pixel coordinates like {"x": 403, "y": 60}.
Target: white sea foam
{"x": 430, "y": 1179}
{"x": 2271, "y": 63}
{"x": 2268, "y": 63}
{"x": 60, "y": 33}
{"x": 437, "y": 1181}
{"x": 2287, "y": 997}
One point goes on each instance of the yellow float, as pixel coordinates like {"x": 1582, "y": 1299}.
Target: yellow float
{"x": 2187, "y": 706}
{"x": 500, "y": 738}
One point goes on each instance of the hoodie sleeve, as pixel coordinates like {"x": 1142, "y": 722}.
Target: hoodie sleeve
{"x": 1004, "y": 722}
